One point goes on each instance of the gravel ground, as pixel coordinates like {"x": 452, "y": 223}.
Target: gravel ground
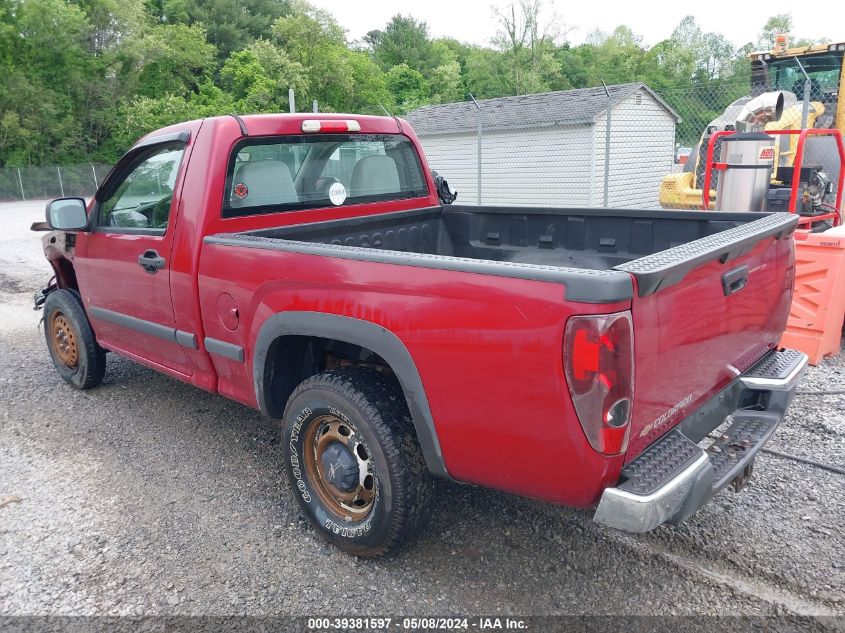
{"x": 147, "y": 496}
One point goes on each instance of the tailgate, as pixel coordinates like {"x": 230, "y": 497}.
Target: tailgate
{"x": 703, "y": 313}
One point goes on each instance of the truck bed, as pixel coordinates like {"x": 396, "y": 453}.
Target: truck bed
{"x": 594, "y": 252}
{"x": 480, "y": 298}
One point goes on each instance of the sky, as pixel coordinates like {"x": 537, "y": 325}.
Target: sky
{"x": 472, "y": 21}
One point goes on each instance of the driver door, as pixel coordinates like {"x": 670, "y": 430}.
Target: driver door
{"x": 123, "y": 261}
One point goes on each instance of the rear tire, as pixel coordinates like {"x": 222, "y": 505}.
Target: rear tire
{"x": 353, "y": 460}
{"x": 80, "y": 361}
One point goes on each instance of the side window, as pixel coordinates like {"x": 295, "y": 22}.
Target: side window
{"x": 141, "y": 200}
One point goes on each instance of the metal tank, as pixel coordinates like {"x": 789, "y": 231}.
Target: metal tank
{"x": 749, "y": 156}
{"x": 749, "y": 159}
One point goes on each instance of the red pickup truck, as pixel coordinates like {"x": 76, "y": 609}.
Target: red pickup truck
{"x": 307, "y": 266}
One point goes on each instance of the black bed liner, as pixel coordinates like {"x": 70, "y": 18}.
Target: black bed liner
{"x": 593, "y": 252}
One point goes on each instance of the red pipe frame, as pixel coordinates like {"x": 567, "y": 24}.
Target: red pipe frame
{"x": 797, "y": 163}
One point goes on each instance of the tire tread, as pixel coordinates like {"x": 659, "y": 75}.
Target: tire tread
{"x": 382, "y": 403}
{"x": 69, "y": 302}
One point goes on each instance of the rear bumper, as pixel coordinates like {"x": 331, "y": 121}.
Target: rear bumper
{"x": 674, "y": 477}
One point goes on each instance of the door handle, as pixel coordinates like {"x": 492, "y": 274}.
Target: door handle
{"x": 151, "y": 261}
{"x": 734, "y": 280}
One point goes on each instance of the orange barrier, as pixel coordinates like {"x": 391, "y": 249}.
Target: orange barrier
{"x": 818, "y": 303}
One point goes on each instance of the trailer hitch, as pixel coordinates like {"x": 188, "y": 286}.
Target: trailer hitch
{"x": 742, "y": 479}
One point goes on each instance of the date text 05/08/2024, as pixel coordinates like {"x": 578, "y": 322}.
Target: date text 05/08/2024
{"x": 417, "y": 624}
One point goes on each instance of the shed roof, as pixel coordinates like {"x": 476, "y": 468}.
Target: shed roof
{"x": 566, "y": 107}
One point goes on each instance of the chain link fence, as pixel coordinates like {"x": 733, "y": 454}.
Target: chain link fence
{"x": 624, "y": 146}
{"x": 35, "y": 183}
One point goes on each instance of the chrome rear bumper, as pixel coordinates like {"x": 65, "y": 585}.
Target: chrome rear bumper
{"x": 674, "y": 476}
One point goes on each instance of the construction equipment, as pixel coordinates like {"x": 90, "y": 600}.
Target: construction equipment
{"x": 811, "y": 80}
{"x": 781, "y": 149}
{"x": 801, "y": 188}
{"x": 818, "y": 301}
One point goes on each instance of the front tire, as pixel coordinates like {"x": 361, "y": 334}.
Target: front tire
{"x": 353, "y": 460}
{"x": 80, "y": 361}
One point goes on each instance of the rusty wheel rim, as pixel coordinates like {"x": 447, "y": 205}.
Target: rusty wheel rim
{"x": 64, "y": 340}
{"x": 356, "y": 502}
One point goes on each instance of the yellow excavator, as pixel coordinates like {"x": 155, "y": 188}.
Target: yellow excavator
{"x": 781, "y": 69}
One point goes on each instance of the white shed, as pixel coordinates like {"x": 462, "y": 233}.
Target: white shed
{"x": 548, "y": 149}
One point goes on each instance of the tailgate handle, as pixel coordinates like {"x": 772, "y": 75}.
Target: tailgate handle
{"x": 735, "y": 280}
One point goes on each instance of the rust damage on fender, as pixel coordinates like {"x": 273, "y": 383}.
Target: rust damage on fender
{"x": 59, "y": 249}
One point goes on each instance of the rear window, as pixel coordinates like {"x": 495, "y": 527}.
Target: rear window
{"x": 320, "y": 170}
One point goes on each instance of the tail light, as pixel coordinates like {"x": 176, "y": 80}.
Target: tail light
{"x": 598, "y": 361}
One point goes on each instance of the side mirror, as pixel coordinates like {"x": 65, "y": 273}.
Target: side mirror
{"x": 67, "y": 214}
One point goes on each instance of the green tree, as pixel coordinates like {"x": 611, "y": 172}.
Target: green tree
{"x": 246, "y": 80}
{"x": 233, "y": 24}
{"x": 405, "y": 40}
{"x": 573, "y": 69}
{"x": 83, "y": 79}
{"x": 312, "y": 38}
{"x": 211, "y": 100}
{"x": 50, "y": 68}
{"x": 259, "y": 76}
{"x": 175, "y": 59}
{"x": 485, "y": 74}
{"x": 369, "y": 93}
{"x": 717, "y": 54}
{"x": 168, "y": 11}
{"x": 712, "y": 53}
{"x": 408, "y": 86}
{"x": 614, "y": 58}
{"x": 8, "y": 35}
{"x": 111, "y": 21}
{"x": 445, "y": 83}
{"x": 669, "y": 65}
{"x": 527, "y": 46}
{"x": 140, "y": 116}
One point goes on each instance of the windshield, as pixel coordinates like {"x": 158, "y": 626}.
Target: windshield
{"x": 321, "y": 170}
{"x": 823, "y": 70}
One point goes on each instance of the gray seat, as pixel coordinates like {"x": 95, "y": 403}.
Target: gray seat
{"x": 267, "y": 182}
{"x": 375, "y": 175}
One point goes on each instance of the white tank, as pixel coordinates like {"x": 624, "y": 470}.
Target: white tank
{"x": 749, "y": 157}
